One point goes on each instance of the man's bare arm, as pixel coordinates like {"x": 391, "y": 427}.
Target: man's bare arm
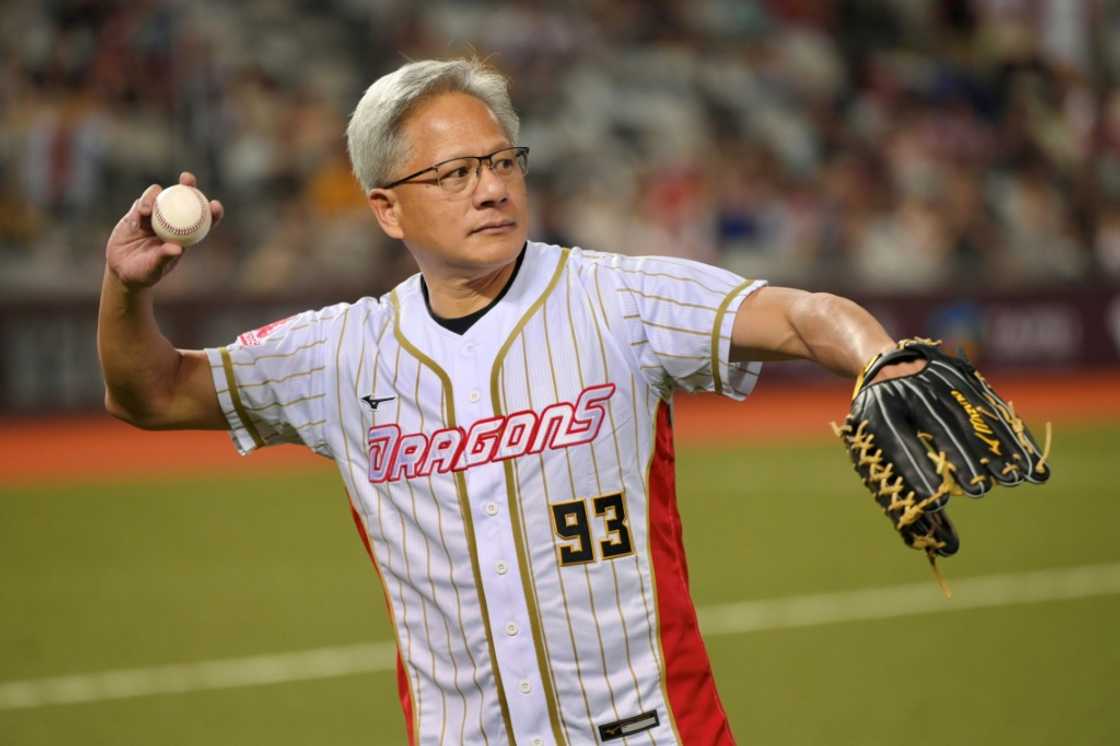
{"x": 777, "y": 323}
{"x": 148, "y": 382}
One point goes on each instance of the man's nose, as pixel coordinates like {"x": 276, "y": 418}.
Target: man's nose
{"x": 491, "y": 188}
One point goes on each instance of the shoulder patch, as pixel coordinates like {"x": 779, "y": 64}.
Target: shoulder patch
{"x": 258, "y": 336}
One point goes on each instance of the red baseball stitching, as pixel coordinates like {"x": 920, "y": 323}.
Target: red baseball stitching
{"x": 182, "y": 231}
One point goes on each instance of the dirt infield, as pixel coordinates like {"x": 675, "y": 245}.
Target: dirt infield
{"x": 97, "y": 447}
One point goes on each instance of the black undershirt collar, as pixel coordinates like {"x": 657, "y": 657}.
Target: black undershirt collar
{"x": 461, "y": 324}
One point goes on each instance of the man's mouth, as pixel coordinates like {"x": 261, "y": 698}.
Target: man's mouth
{"x": 497, "y": 226}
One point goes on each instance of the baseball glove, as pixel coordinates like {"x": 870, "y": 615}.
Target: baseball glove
{"x": 918, "y": 439}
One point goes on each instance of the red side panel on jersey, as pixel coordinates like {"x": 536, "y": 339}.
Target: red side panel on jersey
{"x": 402, "y": 679}
{"x": 699, "y": 714}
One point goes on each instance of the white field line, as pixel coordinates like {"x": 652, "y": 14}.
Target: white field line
{"x": 867, "y": 604}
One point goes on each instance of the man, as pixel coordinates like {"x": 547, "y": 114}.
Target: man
{"x": 501, "y": 422}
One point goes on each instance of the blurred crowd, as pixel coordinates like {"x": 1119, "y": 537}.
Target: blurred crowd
{"x": 909, "y": 145}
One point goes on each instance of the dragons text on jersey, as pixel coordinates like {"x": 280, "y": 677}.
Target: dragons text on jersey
{"x": 559, "y": 425}
{"x": 515, "y": 488}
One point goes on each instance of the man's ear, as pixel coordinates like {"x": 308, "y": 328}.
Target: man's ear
{"x": 386, "y": 208}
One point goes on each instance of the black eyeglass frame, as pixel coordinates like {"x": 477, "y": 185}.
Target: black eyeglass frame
{"x": 520, "y": 151}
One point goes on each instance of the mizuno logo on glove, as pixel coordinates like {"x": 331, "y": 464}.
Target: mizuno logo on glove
{"x": 976, "y": 418}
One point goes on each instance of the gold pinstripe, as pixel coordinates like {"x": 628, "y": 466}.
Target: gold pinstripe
{"x": 662, "y": 298}
{"x": 548, "y": 503}
{"x": 361, "y": 359}
{"x": 458, "y": 605}
{"x": 599, "y": 490}
{"x": 716, "y": 382}
{"x": 458, "y": 600}
{"x": 413, "y": 670}
{"x": 462, "y": 629}
{"x": 376, "y": 358}
{"x": 599, "y": 293}
{"x": 280, "y": 355}
{"x": 573, "y": 492}
{"x": 524, "y": 528}
{"x": 431, "y": 580}
{"x": 432, "y": 586}
{"x": 352, "y": 486}
{"x": 288, "y": 330}
{"x": 680, "y": 329}
{"x": 525, "y": 561}
{"x": 235, "y": 398}
{"x": 693, "y": 280}
{"x": 300, "y": 400}
{"x": 621, "y": 472}
{"x": 285, "y": 332}
{"x": 406, "y": 663}
{"x": 464, "y": 508}
{"x": 680, "y": 357}
{"x": 288, "y": 377}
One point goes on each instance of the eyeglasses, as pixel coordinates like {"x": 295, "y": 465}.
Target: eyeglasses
{"x": 460, "y": 175}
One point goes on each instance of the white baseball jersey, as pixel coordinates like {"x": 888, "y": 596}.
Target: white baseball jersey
{"x": 514, "y": 487}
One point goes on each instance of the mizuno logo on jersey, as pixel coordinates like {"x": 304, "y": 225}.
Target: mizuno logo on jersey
{"x": 561, "y": 425}
{"x": 373, "y": 403}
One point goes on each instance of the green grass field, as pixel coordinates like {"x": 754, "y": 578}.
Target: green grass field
{"x": 129, "y": 575}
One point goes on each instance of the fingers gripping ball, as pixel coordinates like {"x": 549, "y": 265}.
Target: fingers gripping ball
{"x": 181, "y": 215}
{"x": 919, "y": 439}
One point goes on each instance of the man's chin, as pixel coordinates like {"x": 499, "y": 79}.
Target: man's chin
{"x": 495, "y": 248}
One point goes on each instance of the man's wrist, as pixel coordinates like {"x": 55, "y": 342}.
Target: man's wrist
{"x": 877, "y": 350}
{"x": 128, "y": 296}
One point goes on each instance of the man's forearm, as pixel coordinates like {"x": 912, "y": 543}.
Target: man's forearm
{"x": 837, "y": 333}
{"x": 138, "y": 362}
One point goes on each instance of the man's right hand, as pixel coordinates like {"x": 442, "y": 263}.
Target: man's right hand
{"x": 135, "y": 255}
{"x": 148, "y": 382}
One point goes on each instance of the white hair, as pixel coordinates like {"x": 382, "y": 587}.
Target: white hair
{"x": 374, "y": 136}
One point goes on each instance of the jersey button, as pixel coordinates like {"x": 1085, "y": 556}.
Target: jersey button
{"x": 491, "y": 508}
{"x": 525, "y": 687}
{"x": 468, "y": 348}
{"x": 537, "y": 742}
{"x": 501, "y": 567}
{"x": 474, "y": 396}
{"x": 511, "y": 630}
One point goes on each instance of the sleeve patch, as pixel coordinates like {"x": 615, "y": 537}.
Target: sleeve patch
{"x": 259, "y": 335}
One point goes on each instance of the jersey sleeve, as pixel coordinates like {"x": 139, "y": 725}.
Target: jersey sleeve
{"x": 679, "y": 315}
{"x": 272, "y": 382}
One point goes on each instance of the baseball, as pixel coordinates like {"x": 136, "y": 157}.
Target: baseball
{"x": 181, "y": 215}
